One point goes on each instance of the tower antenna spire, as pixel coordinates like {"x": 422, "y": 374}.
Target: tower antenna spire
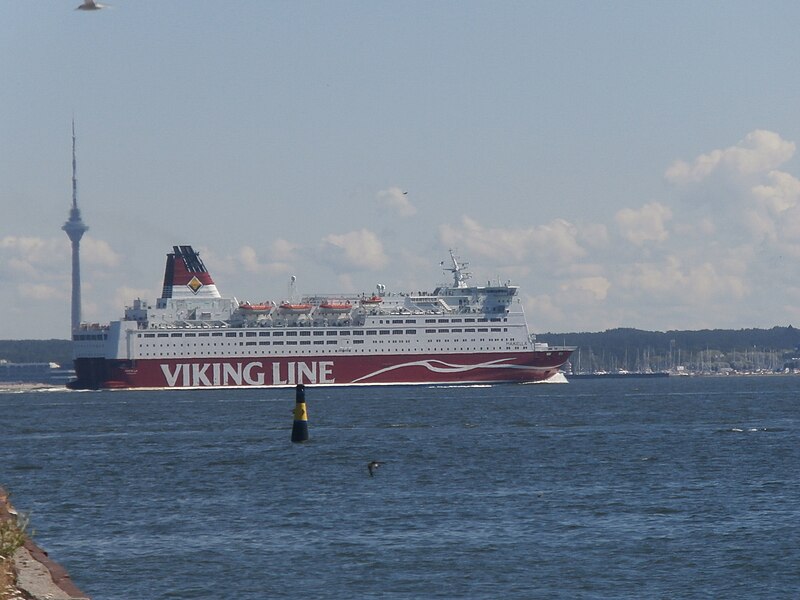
{"x": 74, "y": 170}
{"x": 75, "y": 228}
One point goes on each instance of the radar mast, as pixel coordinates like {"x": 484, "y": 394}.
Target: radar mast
{"x": 460, "y": 276}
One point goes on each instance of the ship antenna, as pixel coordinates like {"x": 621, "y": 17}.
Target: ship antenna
{"x": 459, "y": 275}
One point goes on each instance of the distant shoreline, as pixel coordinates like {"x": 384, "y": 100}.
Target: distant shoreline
{"x": 616, "y": 375}
{"x": 675, "y": 375}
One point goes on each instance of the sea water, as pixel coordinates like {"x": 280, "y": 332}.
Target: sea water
{"x": 628, "y": 488}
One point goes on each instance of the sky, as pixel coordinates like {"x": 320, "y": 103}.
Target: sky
{"x": 626, "y": 163}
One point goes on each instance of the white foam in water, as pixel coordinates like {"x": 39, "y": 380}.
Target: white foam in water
{"x": 474, "y": 385}
{"x": 557, "y": 378}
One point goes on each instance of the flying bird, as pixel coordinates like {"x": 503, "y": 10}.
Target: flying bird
{"x": 91, "y": 5}
{"x": 372, "y": 465}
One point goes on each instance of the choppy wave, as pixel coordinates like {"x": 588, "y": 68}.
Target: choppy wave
{"x": 139, "y": 493}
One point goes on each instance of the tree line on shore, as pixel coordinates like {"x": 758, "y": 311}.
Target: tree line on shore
{"x": 707, "y": 350}
{"x": 611, "y": 350}
{"x": 37, "y": 351}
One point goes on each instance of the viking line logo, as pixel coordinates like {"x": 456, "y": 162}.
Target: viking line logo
{"x": 213, "y": 374}
{"x": 194, "y": 284}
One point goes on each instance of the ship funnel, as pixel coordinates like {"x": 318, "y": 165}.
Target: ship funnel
{"x": 185, "y": 276}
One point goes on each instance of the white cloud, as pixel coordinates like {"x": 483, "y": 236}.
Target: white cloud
{"x": 760, "y": 151}
{"x": 751, "y": 206}
{"x": 596, "y": 288}
{"x": 555, "y": 242}
{"x": 283, "y": 250}
{"x": 790, "y": 310}
{"x": 41, "y": 291}
{"x": 670, "y": 282}
{"x": 124, "y": 296}
{"x": 594, "y": 235}
{"x": 543, "y": 311}
{"x": 249, "y": 259}
{"x": 280, "y": 257}
{"x": 780, "y": 232}
{"x": 587, "y": 269}
{"x": 701, "y": 229}
{"x": 346, "y": 281}
{"x": 98, "y": 252}
{"x": 397, "y": 201}
{"x": 780, "y": 193}
{"x": 790, "y": 228}
{"x": 357, "y": 249}
{"x": 645, "y": 224}
{"x": 760, "y": 225}
{"x": 651, "y": 278}
{"x": 35, "y": 286}
{"x": 23, "y": 244}
{"x": 34, "y": 256}
{"x": 773, "y": 212}
{"x": 22, "y": 268}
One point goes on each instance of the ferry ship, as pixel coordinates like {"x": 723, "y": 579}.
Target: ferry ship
{"x": 193, "y": 337}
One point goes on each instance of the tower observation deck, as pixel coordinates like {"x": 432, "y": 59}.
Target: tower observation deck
{"x": 75, "y": 228}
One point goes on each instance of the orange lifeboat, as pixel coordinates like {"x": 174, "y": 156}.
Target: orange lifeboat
{"x": 263, "y": 307}
{"x": 336, "y": 306}
{"x": 295, "y": 307}
{"x": 372, "y": 301}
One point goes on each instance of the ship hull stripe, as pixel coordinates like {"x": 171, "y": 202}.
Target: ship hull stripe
{"x": 271, "y": 371}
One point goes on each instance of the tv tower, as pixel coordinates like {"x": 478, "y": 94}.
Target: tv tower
{"x": 75, "y": 230}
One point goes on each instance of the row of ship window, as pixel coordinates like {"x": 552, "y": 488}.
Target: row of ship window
{"x": 255, "y": 352}
{"x": 212, "y": 351}
{"x": 453, "y": 320}
{"x": 310, "y": 342}
{"x": 102, "y": 336}
{"x": 89, "y": 336}
{"x": 233, "y": 334}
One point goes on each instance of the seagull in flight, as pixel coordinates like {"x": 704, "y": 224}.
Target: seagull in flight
{"x": 372, "y": 466}
{"x": 91, "y": 5}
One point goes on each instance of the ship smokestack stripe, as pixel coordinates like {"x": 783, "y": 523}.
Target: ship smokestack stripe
{"x": 169, "y": 274}
{"x": 185, "y": 276}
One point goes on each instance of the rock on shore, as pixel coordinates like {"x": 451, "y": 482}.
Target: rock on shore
{"x": 37, "y": 576}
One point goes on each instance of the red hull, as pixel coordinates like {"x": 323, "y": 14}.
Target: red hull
{"x": 407, "y": 369}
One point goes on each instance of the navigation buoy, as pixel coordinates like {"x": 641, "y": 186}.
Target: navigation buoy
{"x": 300, "y": 426}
